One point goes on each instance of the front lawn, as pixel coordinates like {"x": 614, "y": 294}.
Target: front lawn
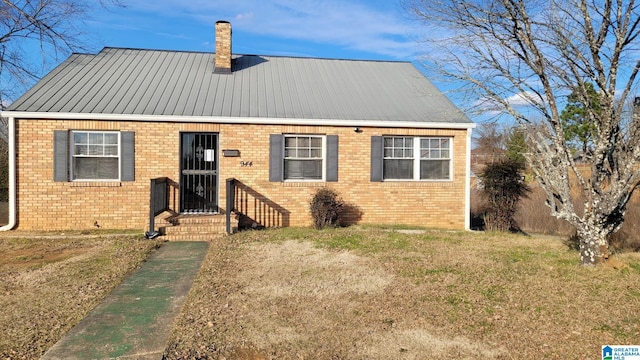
{"x": 349, "y": 293}
{"x": 49, "y": 282}
{"x": 376, "y": 293}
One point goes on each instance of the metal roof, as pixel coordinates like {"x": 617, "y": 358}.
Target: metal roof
{"x": 183, "y": 84}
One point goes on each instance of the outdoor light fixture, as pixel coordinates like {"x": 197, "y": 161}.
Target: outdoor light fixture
{"x": 357, "y": 129}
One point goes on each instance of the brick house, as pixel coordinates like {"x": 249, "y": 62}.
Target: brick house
{"x": 106, "y": 140}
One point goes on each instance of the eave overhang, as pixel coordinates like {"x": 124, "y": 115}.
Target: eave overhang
{"x": 238, "y": 120}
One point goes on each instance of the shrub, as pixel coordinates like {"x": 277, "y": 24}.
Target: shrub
{"x": 326, "y": 208}
{"x": 502, "y": 188}
{"x": 329, "y": 210}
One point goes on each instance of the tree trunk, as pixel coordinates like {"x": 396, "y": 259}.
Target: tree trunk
{"x": 594, "y": 247}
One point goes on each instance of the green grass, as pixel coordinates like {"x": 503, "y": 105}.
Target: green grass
{"x": 635, "y": 266}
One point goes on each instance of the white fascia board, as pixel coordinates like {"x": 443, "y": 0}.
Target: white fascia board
{"x": 236, "y": 120}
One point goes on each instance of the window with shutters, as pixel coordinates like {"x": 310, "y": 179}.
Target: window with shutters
{"x": 95, "y": 155}
{"x": 101, "y": 156}
{"x": 303, "y": 157}
{"x": 298, "y": 157}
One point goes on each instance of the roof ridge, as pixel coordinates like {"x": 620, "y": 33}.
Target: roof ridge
{"x": 237, "y": 55}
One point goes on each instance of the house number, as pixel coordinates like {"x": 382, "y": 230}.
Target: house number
{"x": 246, "y": 163}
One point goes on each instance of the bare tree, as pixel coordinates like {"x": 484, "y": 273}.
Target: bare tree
{"x": 48, "y": 26}
{"x": 490, "y": 139}
{"x": 538, "y": 52}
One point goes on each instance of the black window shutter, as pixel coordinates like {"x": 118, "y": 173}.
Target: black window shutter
{"x": 276, "y": 161}
{"x": 377, "y": 151}
{"x": 60, "y": 155}
{"x": 332, "y": 158}
{"x": 127, "y": 156}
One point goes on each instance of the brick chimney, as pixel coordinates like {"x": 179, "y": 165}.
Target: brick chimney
{"x": 223, "y": 48}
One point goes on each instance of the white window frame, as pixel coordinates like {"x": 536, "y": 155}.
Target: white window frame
{"x": 417, "y": 158}
{"x": 73, "y": 156}
{"x": 323, "y": 157}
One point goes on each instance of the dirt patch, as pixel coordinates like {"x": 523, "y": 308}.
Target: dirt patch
{"x": 38, "y": 256}
{"x": 298, "y": 269}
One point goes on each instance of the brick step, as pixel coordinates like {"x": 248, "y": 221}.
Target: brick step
{"x": 162, "y": 220}
{"x": 192, "y": 237}
{"x": 197, "y": 219}
{"x": 195, "y": 229}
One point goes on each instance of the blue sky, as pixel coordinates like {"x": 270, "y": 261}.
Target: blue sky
{"x": 351, "y": 29}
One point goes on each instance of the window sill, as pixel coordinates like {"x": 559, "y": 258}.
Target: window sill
{"x": 418, "y": 183}
{"x": 96, "y": 184}
{"x": 304, "y": 183}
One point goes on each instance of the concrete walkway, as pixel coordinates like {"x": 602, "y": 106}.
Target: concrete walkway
{"x": 135, "y": 320}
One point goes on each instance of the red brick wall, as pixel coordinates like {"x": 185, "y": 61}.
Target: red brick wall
{"x": 44, "y": 204}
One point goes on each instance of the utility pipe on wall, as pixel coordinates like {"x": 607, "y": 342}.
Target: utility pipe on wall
{"x": 11, "y": 135}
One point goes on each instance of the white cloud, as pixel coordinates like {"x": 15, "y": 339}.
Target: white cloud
{"x": 374, "y": 26}
{"x": 523, "y": 99}
{"x": 244, "y": 17}
{"x": 489, "y": 106}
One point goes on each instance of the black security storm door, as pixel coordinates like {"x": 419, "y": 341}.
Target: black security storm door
{"x": 199, "y": 173}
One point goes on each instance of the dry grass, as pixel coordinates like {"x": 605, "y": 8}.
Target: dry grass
{"x": 48, "y": 283}
{"x": 534, "y": 217}
{"x": 373, "y": 293}
{"x": 350, "y": 293}
{"x": 4, "y": 213}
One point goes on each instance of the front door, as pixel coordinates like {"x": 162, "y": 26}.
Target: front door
{"x": 199, "y": 172}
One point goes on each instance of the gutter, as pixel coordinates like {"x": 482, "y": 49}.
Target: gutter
{"x": 467, "y": 185}
{"x": 11, "y": 137}
{"x": 241, "y": 120}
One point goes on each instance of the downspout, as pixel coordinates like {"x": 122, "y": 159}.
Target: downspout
{"x": 467, "y": 190}
{"x": 11, "y": 135}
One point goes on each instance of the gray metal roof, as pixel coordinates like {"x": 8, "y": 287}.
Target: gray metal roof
{"x": 174, "y": 83}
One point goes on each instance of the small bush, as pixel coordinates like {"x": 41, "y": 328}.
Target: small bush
{"x": 503, "y": 186}
{"x": 326, "y": 208}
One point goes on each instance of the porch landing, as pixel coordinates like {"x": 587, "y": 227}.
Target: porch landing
{"x": 193, "y": 227}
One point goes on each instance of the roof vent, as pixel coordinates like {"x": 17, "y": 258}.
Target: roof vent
{"x": 223, "y": 48}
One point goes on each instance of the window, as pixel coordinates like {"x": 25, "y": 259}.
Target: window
{"x": 398, "y": 158}
{"x": 411, "y": 158}
{"x": 303, "y": 157}
{"x": 435, "y": 158}
{"x": 95, "y": 155}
